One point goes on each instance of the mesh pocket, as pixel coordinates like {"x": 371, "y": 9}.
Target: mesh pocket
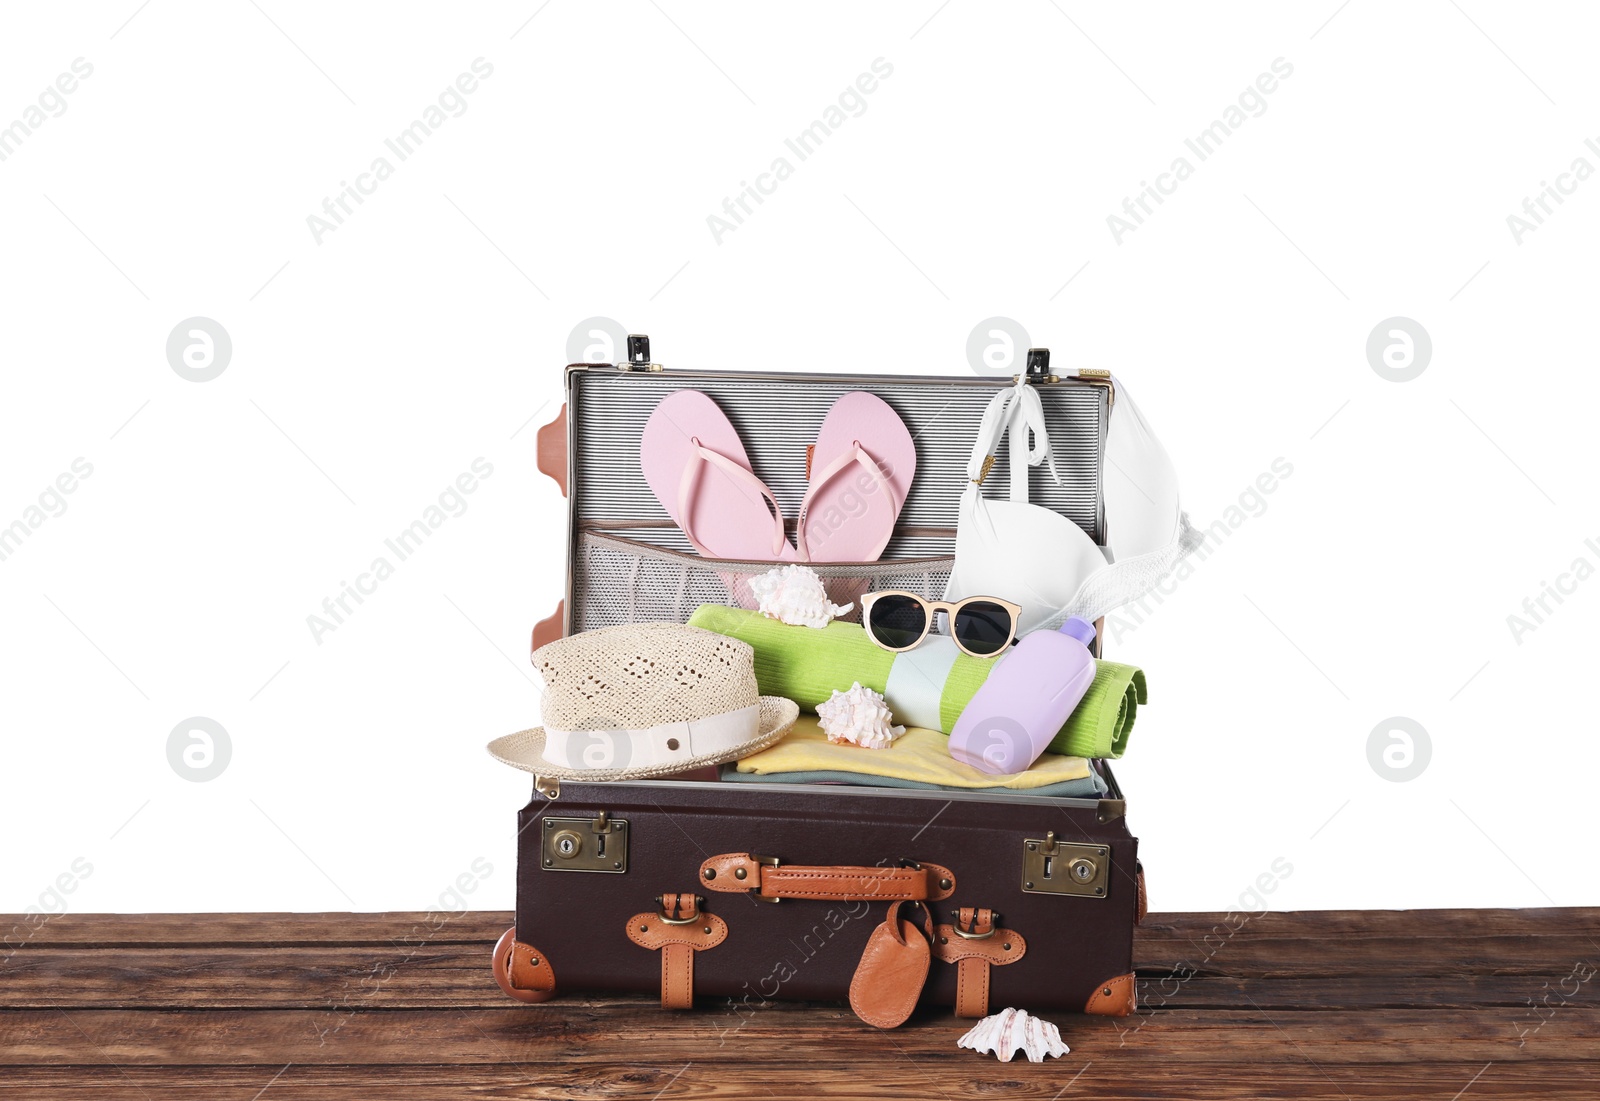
{"x": 621, "y": 581}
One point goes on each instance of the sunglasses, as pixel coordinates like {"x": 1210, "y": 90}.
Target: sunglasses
{"x": 982, "y": 626}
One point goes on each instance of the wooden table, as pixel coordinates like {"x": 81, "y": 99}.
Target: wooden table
{"x": 1458, "y": 1005}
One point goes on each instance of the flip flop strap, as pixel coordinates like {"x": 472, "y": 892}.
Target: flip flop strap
{"x": 738, "y": 474}
{"x": 856, "y": 454}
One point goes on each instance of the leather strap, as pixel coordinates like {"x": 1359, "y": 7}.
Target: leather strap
{"x": 677, "y": 976}
{"x": 983, "y": 946}
{"x": 678, "y": 930}
{"x": 972, "y": 988}
{"x": 766, "y": 878}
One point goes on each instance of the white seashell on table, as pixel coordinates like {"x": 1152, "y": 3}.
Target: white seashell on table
{"x": 795, "y": 595}
{"x": 858, "y": 717}
{"x": 1013, "y": 1030}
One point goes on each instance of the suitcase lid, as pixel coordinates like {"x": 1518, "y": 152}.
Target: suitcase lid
{"x": 592, "y": 451}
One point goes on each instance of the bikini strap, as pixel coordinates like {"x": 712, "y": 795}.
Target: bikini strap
{"x": 1019, "y": 412}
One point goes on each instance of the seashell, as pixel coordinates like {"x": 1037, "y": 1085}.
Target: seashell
{"x": 1012, "y": 1030}
{"x": 858, "y": 717}
{"x": 795, "y": 595}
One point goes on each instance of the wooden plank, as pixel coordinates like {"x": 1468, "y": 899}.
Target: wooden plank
{"x": 1434, "y": 942}
{"x": 1532, "y": 922}
{"x": 963, "y": 1076}
{"x": 1414, "y": 943}
{"x": 340, "y": 928}
{"x": 458, "y": 976}
{"x": 1513, "y": 993}
{"x": 823, "y": 1033}
{"x": 1531, "y": 959}
{"x": 266, "y": 930}
{"x": 1244, "y": 955}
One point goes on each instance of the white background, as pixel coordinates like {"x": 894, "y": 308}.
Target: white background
{"x": 369, "y": 370}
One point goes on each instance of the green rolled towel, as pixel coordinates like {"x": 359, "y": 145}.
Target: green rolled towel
{"x": 808, "y": 664}
{"x": 1098, "y": 727}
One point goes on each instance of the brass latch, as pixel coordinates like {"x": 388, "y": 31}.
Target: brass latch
{"x": 598, "y": 844}
{"x": 1052, "y": 867}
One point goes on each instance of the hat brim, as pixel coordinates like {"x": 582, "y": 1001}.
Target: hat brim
{"x": 525, "y": 749}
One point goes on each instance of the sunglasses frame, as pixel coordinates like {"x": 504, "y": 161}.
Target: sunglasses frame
{"x": 931, "y": 608}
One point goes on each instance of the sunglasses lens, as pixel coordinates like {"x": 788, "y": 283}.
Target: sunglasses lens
{"x": 983, "y": 627}
{"x": 897, "y": 621}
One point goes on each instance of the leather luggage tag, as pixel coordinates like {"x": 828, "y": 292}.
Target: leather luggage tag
{"x": 893, "y": 968}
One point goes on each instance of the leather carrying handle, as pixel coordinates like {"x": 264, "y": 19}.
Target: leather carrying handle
{"x": 769, "y": 879}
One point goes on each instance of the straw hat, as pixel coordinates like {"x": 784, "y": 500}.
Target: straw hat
{"x": 643, "y": 700}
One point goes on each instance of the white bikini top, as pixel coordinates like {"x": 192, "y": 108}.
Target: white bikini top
{"x": 1039, "y": 558}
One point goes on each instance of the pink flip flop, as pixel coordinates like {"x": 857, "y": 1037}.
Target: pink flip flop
{"x": 862, "y": 466}
{"x": 696, "y": 465}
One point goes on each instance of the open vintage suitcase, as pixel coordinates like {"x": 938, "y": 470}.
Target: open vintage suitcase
{"x": 668, "y": 885}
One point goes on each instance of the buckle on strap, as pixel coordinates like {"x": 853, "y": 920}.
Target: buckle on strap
{"x": 764, "y": 862}
{"x": 970, "y": 932}
{"x": 680, "y": 913}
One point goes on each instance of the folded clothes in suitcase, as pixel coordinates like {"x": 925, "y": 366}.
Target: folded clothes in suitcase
{"x": 1015, "y": 897}
{"x": 920, "y": 758}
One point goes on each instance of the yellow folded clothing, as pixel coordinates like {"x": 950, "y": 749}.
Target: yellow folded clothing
{"x": 918, "y": 754}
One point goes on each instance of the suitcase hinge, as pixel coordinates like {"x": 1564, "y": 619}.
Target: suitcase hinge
{"x": 1100, "y": 376}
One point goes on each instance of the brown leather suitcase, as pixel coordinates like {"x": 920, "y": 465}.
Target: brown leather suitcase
{"x": 737, "y": 893}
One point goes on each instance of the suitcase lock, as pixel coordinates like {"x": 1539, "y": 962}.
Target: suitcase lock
{"x": 598, "y": 844}
{"x": 1052, "y": 867}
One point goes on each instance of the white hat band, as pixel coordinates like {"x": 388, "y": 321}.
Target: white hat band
{"x": 652, "y": 746}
